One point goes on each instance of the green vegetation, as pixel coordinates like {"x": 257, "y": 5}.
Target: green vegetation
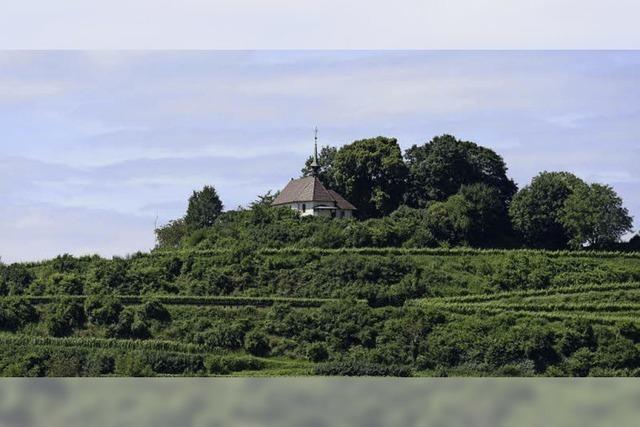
{"x": 376, "y": 311}
{"x": 445, "y": 272}
{"x": 444, "y": 193}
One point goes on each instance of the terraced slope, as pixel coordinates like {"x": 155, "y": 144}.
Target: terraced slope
{"x": 611, "y": 302}
{"x": 326, "y": 312}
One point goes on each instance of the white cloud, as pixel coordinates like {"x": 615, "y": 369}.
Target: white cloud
{"x": 15, "y": 90}
{"x": 34, "y": 232}
{"x": 133, "y": 133}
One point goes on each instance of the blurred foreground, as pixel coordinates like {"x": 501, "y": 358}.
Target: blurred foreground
{"x": 319, "y": 402}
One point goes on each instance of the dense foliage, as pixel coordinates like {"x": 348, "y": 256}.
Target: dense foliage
{"x": 323, "y": 311}
{"x": 594, "y": 216}
{"x": 264, "y": 291}
{"x": 371, "y": 174}
{"x": 204, "y": 207}
{"x": 440, "y": 167}
{"x": 444, "y": 193}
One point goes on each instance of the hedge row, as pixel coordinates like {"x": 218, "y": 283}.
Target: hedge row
{"x": 562, "y": 290}
{"x": 103, "y": 343}
{"x": 183, "y": 300}
{"x": 408, "y": 251}
{"x": 472, "y": 309}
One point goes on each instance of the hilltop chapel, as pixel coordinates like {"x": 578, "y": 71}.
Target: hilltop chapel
{"x": 309, "y": 196}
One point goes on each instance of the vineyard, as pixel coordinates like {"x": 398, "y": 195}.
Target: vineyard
{"x": 323, "y": 312}
{"x": 609, "y": 303}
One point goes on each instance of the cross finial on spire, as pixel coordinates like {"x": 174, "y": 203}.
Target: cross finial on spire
{"x": 315, "y": 166}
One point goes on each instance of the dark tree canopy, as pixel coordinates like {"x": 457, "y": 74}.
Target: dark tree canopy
{"x": 371, "y": 174}
{"x": 594, "y": 216}
{"x": 325, "y": 159}
{"x": 204, "y": 208}
{"x": 440, "y": 167}
{"x": 490, "y": 225}
{"x": 446, "y": 192}
{"x": 535, "y": 211}
{"x": 449, "y": 222}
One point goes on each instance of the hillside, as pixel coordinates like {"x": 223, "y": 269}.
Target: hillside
{"x": 367, "y": 311}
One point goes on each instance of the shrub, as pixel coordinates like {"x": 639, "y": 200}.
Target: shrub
{"x": 317, "y": 352}
{"x": 103, "y": 309}
{"x": 133, "y": 365}
{"x": 62, "y": 318}
{"x": 222, "y": 365}
{"x": 256, "y": 343}
{"x": 15, "y": 314}
{"x": 153, "y": 309}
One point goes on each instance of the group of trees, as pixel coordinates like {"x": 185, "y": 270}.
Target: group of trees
{"x": 444, "y": 192}
{"x": 559, "y": 209}
{"x": 375, "y": 176}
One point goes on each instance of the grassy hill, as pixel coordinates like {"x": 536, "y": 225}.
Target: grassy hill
{"x": 382, "y": 311}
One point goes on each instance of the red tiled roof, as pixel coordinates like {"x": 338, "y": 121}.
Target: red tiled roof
{"x": 341, "y": 202}
{"x": 309, "y": 189}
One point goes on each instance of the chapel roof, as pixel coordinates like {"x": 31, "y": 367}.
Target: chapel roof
{"x": 310, "y": 189}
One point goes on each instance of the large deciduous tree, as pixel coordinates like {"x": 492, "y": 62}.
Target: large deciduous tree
{"x": 204, "y": 208}
{"x": 449, "y": 221}
{"x": 594, "y": 216}
{"x": 440, "y": 167}
{"x": 490, "y": 224}
{"x": 371, "y": 174}
{"x": 535, "y": 211}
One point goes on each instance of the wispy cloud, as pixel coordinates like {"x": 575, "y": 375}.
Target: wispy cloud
{"x": 129, "y": 135}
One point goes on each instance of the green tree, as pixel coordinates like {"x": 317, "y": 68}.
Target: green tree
{"x": 449, "y": 221}
{"x": 170, "y": 235}
{"x": 204, "y": 208}
{"x": 264, "y": 200}
{"x": 536, "y": 209}
{"x": 371, "y": 174}
{"x": 488, "y": 216}
{"x": 440, "y": 167}
{"x": 594, "y": 215}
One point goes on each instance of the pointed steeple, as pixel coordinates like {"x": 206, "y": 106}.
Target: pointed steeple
{"x": 315, "y": 166}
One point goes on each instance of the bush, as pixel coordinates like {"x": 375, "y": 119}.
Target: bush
{"x": 130, "y": 325}
{"x": 256, "y": 343}
{"x": 133, "y": 365}
{"x": 99, "y": 363}
{"x": 222, "y": 365}
{"x": 103, "y": 309}
{"x": 16, "y": 313}
{"x": 317, "y": 352}
{"x": 153, "y": 309}
{"x": 62, "y": 318}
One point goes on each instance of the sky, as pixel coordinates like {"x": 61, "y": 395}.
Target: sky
{"x": 334, "y": 24}
{"x": 99, "y": 146}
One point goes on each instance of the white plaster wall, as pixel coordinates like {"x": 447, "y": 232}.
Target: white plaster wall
{"x": 310, "y": 210}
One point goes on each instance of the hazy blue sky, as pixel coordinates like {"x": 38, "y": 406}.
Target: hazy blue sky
{"x": 94, "y": 145}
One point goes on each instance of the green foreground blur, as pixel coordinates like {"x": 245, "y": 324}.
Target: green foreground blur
{"x": 319, "y": 402}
